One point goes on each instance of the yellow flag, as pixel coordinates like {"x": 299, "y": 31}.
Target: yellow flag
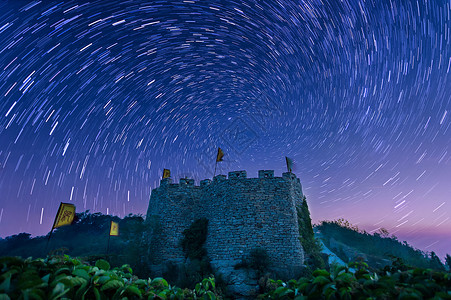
{"x": 65, "y": 215}
{"x": 220, "y": 155}
{"x": 166, "y": 173}
{"x": 114, "y": 229}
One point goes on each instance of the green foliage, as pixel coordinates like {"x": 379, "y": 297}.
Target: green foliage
{"x": 192, "y": 271}
{"x": 356, "y": 281}
{"x": 194, "y": 239}
{"x": 377, "y": 247}
{"x": 346, "y": 224}
{"x": 341, "y": 254}
{"x": 59, "y": 277}
{"x": 436, "y": 263}
{"x": 102, "y": 264}
{"x": 448, "y": 262}
{"x": 258, "y": 260}
{"x": 306, "y": 235}
{"x": 197, "y": 265}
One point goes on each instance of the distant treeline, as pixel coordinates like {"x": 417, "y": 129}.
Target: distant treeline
{"x": 378, "y": 249}
{"x": 87, "y": 237}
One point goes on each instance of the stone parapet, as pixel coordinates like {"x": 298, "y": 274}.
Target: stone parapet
{"x": 266, "y": 174}
{"x": 237, "y": 175}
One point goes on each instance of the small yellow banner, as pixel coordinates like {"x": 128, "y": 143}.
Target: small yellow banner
{"x": 220, "y": 155}
{"x": 166, "y": 173}
{"x": 65, "y": 215}
{"x": 114, "y": 229}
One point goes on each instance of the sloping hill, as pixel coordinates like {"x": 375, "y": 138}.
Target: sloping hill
{"x": 378, "y": 250}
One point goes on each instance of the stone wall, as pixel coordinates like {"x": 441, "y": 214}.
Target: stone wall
{"x": 172, "y": 209}
{"x": 243, "y": 213}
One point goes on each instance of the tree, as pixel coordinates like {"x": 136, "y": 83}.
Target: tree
{"x": 448, "y": 261}
{"x": 346, "y": 224}
{"x": 18, "y": 239}
{"x": 383, "y": 232}
{"x": 435, "y": 261}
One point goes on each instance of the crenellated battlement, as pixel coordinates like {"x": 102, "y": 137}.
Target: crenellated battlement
{"x": 266, "y": 174}
{"x": 235, "y": 175}
{"x": 243, "y": 213}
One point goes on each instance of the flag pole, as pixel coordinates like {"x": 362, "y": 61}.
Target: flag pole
{"x": 108, "y": 246}
{"x": 53, "y": 227}
{"x": 109, "y": 236}
{"x": 48, "y": 240}
{"x": 218, "y": 159}
{"x": 216, "y": 164}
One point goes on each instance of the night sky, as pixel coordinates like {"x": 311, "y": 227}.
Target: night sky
{"x": 98, "y": 97}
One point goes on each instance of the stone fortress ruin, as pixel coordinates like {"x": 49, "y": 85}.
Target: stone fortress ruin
{"x": 243, "y": 214}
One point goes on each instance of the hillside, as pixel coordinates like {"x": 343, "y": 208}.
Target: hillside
{"x": 378, "y": 249}
{"x": 87, "y": 237}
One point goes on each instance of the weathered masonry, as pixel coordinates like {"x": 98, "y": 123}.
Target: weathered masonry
{"x": 243, "y": 214}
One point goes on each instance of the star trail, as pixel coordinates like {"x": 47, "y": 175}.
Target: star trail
{"x": 98, "y": 97}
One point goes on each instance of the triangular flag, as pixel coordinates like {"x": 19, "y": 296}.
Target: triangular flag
{"x": 289, "y": 164}
{"x": 220, "y": 155}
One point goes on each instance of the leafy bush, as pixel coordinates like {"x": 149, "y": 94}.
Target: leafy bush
{"x": 197, "y": 264}
{"x": 193, "y": 271}
{"x": 194, "y": 239}
{"x": 357, "y": 282}
{"x": 258, "y": 260}
{"x": 64, "y": 277}
{"x": 59, "y": 277}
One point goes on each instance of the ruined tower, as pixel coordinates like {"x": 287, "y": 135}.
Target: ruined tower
{"x": 243, "y": 214}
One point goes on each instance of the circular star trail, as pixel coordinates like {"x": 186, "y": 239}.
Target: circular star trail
{"x": 98, "y": 97}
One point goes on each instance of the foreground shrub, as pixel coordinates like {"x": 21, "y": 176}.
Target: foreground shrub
{"x": 197, "y": 264}
{"x": 357, "y": 282}
{"x": 258, "y": 260}
{"x": 65, "y": 277}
